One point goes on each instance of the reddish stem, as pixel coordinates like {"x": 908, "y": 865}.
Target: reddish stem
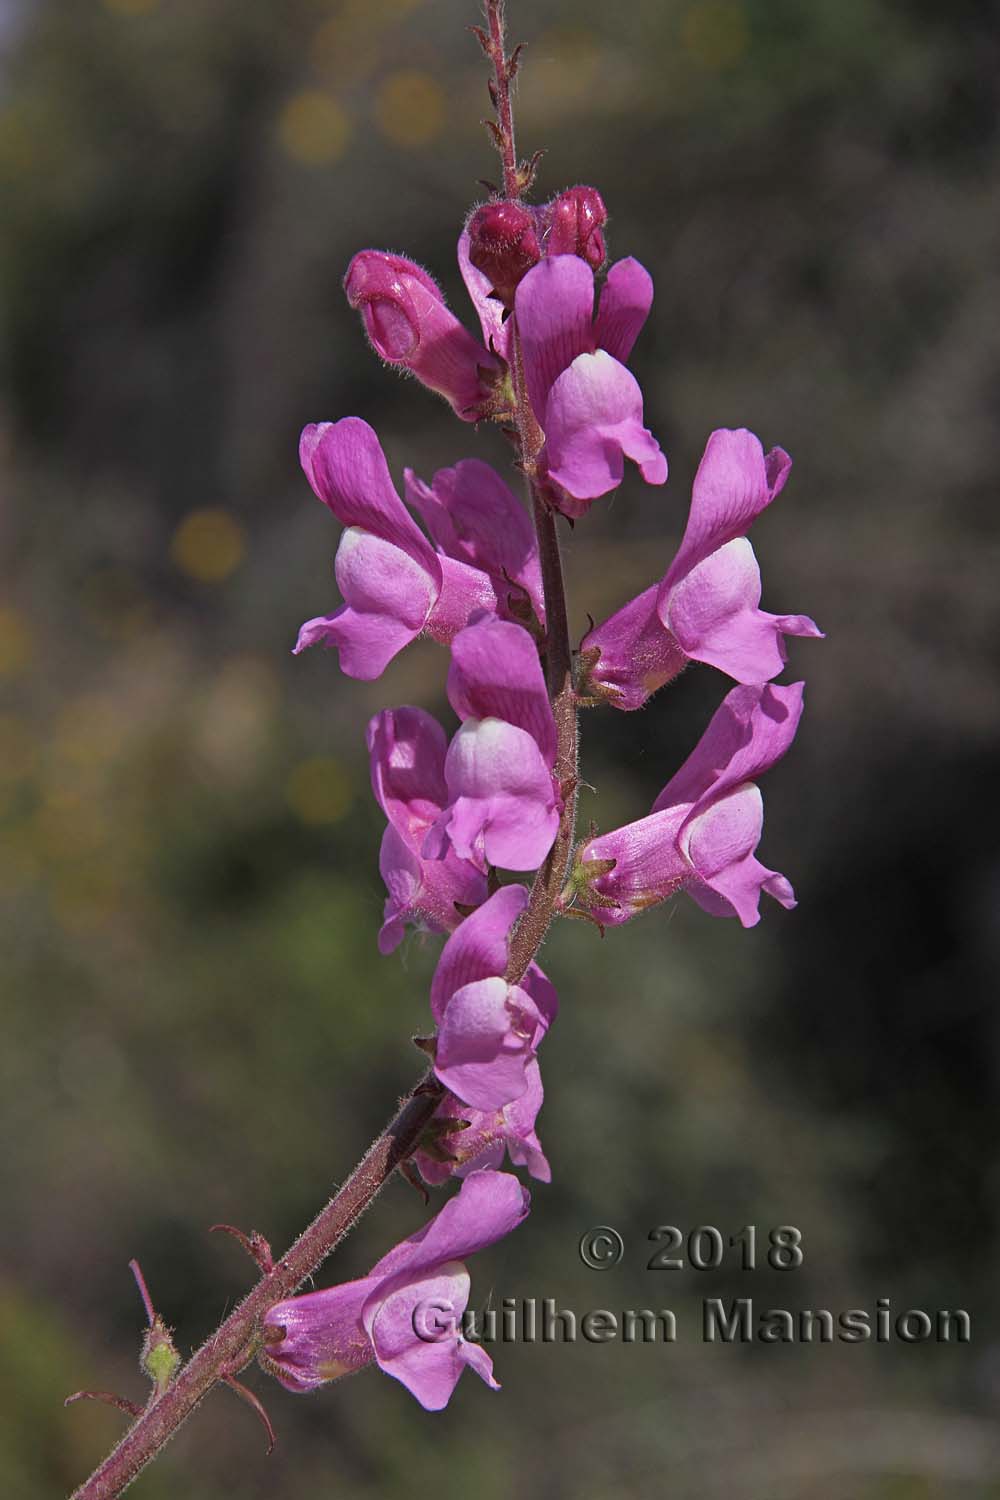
{"x": 140, "y": 1282}
{"x": 234, "y": 1343}
{"x": 504, "y": 69}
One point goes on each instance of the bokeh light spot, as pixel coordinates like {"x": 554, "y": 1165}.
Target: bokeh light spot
{"x": 208, "y": 545}
{"x": 15, "y": 643}
{"x": 319, "y": 791}
{"x": 410, "y": 108}
{"x": 314, "y": 128}
{"x": 716, "y": 35}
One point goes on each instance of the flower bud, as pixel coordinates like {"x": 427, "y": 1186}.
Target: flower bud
{"x": 576, "y": 219}
{"x": 503, "y": 244}
{"x": 409, "y": 323}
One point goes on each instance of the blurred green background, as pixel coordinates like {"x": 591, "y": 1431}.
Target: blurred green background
{"x": 197, "y": 1026}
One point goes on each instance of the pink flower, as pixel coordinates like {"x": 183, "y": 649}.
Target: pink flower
{"x": 707, "y": 606}
{"x": 503, "y": 801}
{"x": 482, "y": 1137}
{"x": 474, "y": 518}
{"x": 706, "y": 823}
{"x": 409, "y": 324}
{"x": 488, "y": 1030}
{"x": 586, "y": 402}
{"x": 394, "y": 583}
{"x": 404, "y": 1315}
{"x": 407, "y": 749}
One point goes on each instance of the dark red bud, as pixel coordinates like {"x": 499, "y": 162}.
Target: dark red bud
{"x": 503, "y": 244}
{"x": 577, "y": 217}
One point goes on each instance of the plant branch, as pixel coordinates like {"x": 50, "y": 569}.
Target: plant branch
{"x": 529, "y": 934}
{"x": 234, "y": 1343}
{"x": 504, "y": 68}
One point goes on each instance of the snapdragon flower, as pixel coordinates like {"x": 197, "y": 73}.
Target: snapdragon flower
{"x": 704, "y": 826}
{"x": 404, "y": 1315}
{"x": 407, "y": 748}
{"x": 707, "y": 607}
{"x": 588, "y": 405}
{"x": 489, "y": 1031}
{"x": 503, "y": 800}
{"x": 395, "y": 584}
{"x": 479, "y": 1138}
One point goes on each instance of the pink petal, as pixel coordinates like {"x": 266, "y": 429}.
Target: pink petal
{"x": 502, "y": 805}
{"x": 496, "y": 329}
{"x": 714, "y": 614}
{"x": 377, "y": 577}
{"x": 478, "y": 949}
{"x": 485, "y": 1040}
{"x": 473, "y": 516}
{"x": 367, "y": 643}
{"x": 324, "y": 1337}
{"x": 414, "y": 1333}
{"x": 466, "y": 592}
{"x": 554, "y": 308}
{"x": 649, "y": 866}
{"x": 734, "y": 483}
{"x": 638, "y": 655}
{"x": 749, "y": 732}
{"x": 488, "y": 1206}
{"x": 346, "y": 467}
{"x": 736, "y": 892}
{"x": 495, "y": 674}
{"x": 388, "y": 596}
{"x": 625, "y": 300}
{"x": 593, "y": 422}
{"x": 425, "y": 892}
{"x": 720, "y": 844}
{"x": 406, "y": 749}
{"x": 490, "y": 1132}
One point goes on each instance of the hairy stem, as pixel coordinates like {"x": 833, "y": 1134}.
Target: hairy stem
{"x": 234, "y": 1343}
{"x": 529, "y": 934}
{"x": 503, "y": 73}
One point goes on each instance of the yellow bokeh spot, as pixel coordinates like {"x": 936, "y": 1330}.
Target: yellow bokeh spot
{"x": 716, "y": 34}
{"x": 410, "y": 108}
{"x": 314, "y": 128}
{"x": 132, "y": 7}
{"x": 15, "y": 643}
{"x": 319, "y": 791}
{"x": 208, "y": 545}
